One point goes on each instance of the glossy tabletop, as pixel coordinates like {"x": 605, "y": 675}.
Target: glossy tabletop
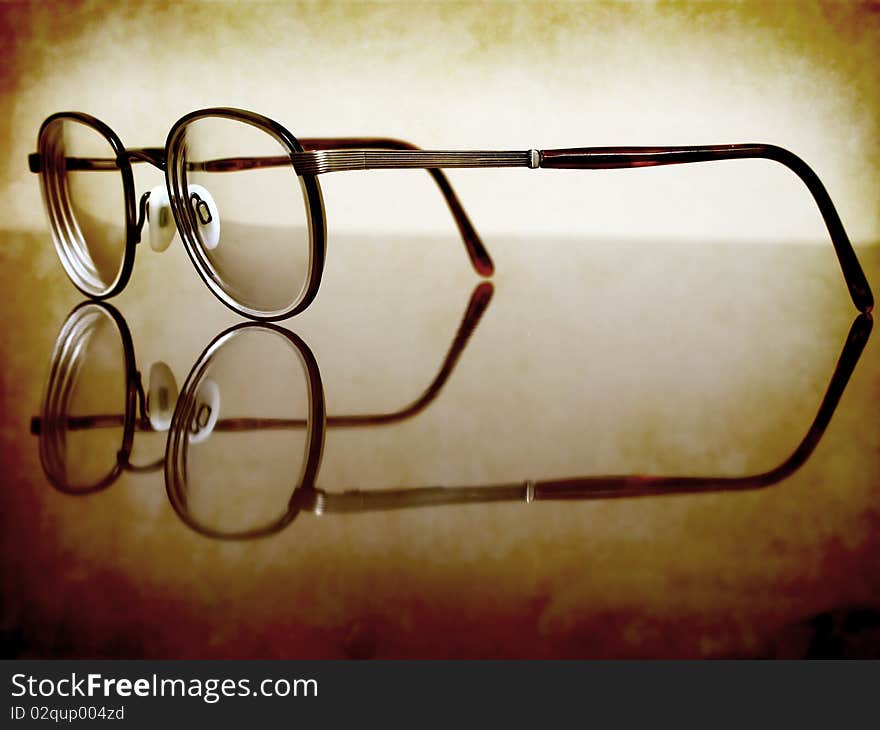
{"x": 489, "y": 456}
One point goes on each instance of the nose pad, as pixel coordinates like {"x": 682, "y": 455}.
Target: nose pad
{"x": 206, "y": 215}
{"x": 161, "y": 397}
{"x": 206, "y": 411}
{"x": 161, "y": 220}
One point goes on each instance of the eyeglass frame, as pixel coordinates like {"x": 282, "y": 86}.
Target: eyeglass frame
{"x": 347, "y": 154}
{"x": 309, "y": 498}
{"x": 135, "y": 412}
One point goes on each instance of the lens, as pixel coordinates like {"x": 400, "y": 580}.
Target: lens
{"x": 242, "y": 435}
{"x": 85, "y": 200}
{"x": 247, "y": 214}
{"x": 83, "y": 415}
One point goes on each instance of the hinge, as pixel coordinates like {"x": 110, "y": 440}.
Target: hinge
{"x": 35, "y": 162}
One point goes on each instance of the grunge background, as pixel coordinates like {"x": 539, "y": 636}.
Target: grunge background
{"x": 786, "y": 572}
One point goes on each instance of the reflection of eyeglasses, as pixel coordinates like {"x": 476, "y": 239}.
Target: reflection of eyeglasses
{"x": 209, "y": 497}
{"x": 304, "y": 496}
{"x": 57, "y": 424}
{"x": 244, "y": 195}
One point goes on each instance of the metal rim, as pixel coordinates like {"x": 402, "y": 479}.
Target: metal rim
{"x": 54, "y": 211}
{"x": 176, "y": 446}
{"x": 312, "y": 198}
{"x": 62, "y": 367}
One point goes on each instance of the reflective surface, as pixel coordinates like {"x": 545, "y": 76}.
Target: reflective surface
{"x": 608, "y": 358}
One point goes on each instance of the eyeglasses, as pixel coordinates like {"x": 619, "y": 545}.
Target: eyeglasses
{"x": 281, "y": 476}
{"x": 183, "y": 478}
{"x": 244, "y": 194}
{"x": 95, "y": 400}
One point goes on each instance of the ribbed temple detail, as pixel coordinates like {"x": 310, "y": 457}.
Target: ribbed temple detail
{"x": 321, "y": 161}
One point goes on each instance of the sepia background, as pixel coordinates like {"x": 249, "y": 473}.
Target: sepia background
{"x": 672, "y": 320}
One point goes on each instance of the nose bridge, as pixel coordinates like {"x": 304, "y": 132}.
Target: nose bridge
{"x": 154, "y": 208}
{"x": 155, "y": 200}
{"x": 154, "y": 155}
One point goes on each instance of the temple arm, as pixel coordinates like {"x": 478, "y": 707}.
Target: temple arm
{"x": 611, "y": 486}
{"x": 477, "y": 252}
{"x": 153, "y": 155}
{"x": 117, "y": 420}
{"x": 477, "y": 305}
{"x": 641, "y": 485}
{"x": 610, "y": 158}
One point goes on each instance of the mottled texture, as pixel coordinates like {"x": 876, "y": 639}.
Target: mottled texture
{"x": 612, "y": 357}
{"x": 672, "y": 321}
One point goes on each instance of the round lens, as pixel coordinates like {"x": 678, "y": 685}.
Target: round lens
{"x": 243, "y": 436}
{"x": 85, "y": 200}
{"x": 82, "y": 421}
{"x": 247, "y": 214}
